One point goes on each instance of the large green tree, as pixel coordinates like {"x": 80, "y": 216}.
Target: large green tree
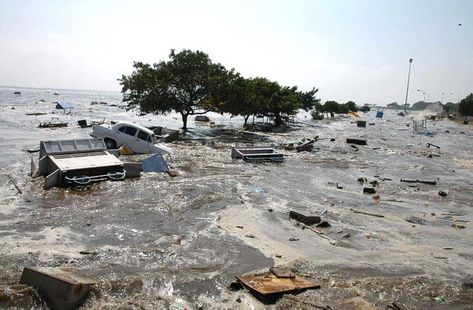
{"x": 240, "y": 98}
{"x": 188, "y": 83}
{"x": 259, "y": 96}
{"x": 465, "y": 107}
{"x": 331, "y": 107}
{"x": 274, "y": 100}
{"x": 351, "y": 106}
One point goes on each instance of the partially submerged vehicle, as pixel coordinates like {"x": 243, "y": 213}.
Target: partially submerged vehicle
{"x": 139, "y": 139}
{"x": 77, "y": 162}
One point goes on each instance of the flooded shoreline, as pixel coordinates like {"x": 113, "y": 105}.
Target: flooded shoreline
{"x": 162, "y": 242}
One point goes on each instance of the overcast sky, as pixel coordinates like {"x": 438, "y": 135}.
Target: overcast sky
{"x": 352, "y": 50}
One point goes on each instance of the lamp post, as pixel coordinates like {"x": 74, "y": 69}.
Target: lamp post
{"x": 423, "y": 93}
{"x": 407, "y": 90}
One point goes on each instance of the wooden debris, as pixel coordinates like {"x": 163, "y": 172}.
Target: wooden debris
{"x": 321, "y": 234}
{"x": 268, "y": 283}
{"x": 14, "y": 184}
{"x": 367, "y": 213}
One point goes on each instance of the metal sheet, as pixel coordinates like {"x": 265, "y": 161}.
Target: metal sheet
{"x": 71, "y": 146}
{"x": 92, "y": 160}
{"x": 155, "y": 163}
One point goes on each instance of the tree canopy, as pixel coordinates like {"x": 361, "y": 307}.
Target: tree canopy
{"x": 335, "y": 107}
{"x": 465, "y": 107}
{"x": 190, "y": 83}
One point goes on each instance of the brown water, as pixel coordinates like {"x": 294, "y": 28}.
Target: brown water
{"x": 162, "y": 242}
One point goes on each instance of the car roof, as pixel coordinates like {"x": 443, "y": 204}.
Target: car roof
{"x": 144, "y": 129}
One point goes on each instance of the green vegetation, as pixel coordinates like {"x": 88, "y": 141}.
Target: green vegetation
{"x": 333, "y": 107}
{"x": 190, "y": 83}
{"x": 465, "y": 107}
{"x": 365, "y": 109}
{"x": 450, "y": 107}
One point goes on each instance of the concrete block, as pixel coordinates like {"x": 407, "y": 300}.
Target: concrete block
{"x": 61, "y": 289}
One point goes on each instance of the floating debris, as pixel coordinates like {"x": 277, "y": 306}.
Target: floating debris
{"x": 60, "y": 289}
{"x": 269, "y": 283}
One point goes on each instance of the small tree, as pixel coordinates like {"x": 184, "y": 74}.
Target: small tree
{"x": 365, "y": 109}
{"x": 351, "y": 106}
{"x": 189, "y": 83}
{"x": 465, "y": 107}
{"x": 316, "y": 115}
{"x": 331, "y": 107}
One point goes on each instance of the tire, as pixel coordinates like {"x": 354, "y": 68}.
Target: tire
{"x": 110, "y": 143}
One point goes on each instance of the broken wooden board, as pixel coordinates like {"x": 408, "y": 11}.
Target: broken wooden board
{"x": 269, "y": 283}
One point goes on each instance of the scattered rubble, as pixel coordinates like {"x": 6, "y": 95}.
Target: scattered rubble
{"x": 52, "y": 125}
{"x": 416, "y": 220}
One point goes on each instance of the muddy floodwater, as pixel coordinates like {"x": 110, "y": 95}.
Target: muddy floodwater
{"x": 162, "y": 242}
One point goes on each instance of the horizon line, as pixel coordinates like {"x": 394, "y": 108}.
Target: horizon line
{"x": 52, "y": 88}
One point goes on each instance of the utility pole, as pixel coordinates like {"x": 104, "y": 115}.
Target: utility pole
{"x": 407, "y": 90}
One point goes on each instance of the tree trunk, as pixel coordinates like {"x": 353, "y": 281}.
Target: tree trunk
{"x": 246, "y": 120}
{"x": 277, "y": 119}
{"x": 184, "y": 121}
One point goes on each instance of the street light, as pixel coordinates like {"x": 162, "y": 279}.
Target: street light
{"x": 407, "y": 90}
{"x": 423, "y": 93}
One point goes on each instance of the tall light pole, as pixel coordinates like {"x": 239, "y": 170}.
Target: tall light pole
{"x": 423, "y": 93}
{"x": 407, "y": 90}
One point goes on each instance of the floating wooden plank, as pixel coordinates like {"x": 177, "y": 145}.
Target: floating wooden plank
{"x": 269, "y": 283}
{"x": 367, "y": 213}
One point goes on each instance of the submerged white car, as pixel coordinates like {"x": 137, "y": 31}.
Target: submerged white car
{"x": 139, "y": 139}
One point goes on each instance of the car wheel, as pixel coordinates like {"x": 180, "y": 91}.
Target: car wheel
{"x": 110, "y": 143}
